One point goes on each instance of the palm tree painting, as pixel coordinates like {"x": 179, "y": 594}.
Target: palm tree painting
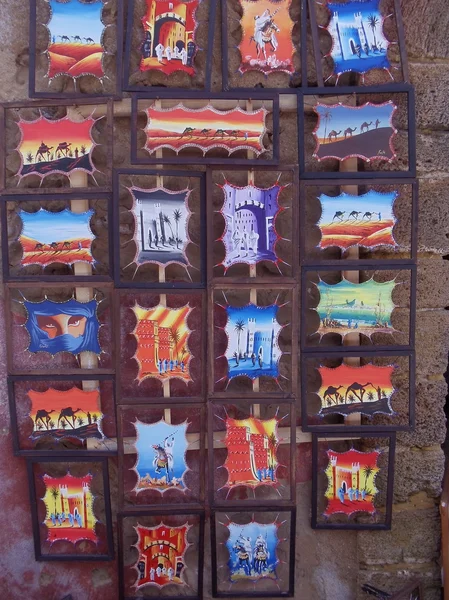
{"x": 373, "y": 22}
{"x": 55, "y": 495}
{"x": 177, "y": 217}
{"x": 239, "y": 328}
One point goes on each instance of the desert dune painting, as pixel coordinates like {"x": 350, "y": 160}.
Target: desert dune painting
{"x": 75, "y": 39}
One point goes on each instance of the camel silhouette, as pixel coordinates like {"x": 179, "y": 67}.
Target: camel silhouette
{"x": 39, "y": 246}
{"x": 43, "y": 416}
{"x": 64, "y": 38}
{"x": 43, "y": 149}
{"x": 89, "y": 40}
{"x": 67, "y": 413}
{"x": 349, "y": 132}
{"x": 365, "y": 125}
{"x": 368, "y": 215}
{"x": 354, "y": 214}
{"x": 332, "y": 392}
{"x": 76, "y": 38}
{"x": 339, "y": 215}
{"x": 63, "y": 147}
{"x": 333, "y": 134}
{"x": 358, "y": 389}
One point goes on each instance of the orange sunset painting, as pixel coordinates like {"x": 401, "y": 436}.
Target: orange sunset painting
{"x": 59, "y": 146}
{"x": 69, "y": 515}
{"x": 64, "y": 414}
{"x": 162, "y": 342}
{"x": 205, "y": 128}
{"x": 346, "y": 390}
{"x": 351, "y": 482}
{"x": 266, "y": 36}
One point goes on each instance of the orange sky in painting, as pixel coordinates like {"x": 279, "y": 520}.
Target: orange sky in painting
{"x": 282, "y": 19}
{"x": 55, "y": 400}
{"x": 345, "y": 375}
{"x": 267, "y": 426}
{"x": 53, "y": 133}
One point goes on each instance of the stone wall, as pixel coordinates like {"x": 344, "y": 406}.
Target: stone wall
{"x": 329, "y": 564}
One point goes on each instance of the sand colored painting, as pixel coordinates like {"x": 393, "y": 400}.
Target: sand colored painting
{"x": 252, "y": 551}
{"x": 366, "y": 220}
{"x": 346, "y": 390}
{"x": 169, "y": 36}
{"x": 69, "y": 504}
{"x": 75, "y": 31}
{"x": 205, "y": 128}
{"x": 161, "y": 555}
{"x": 266, "y": 36}
{"x": 162, "y": 338}
{"x": 56, "y": 237}
{"x": 347, "y": 307}
{"x": 365, "y": 131}
{"x": 351, "y": 482}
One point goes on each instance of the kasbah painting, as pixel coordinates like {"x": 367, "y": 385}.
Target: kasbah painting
{"x": 251, "y": 445}
{"x": 62, "y": 414}
{"x": 60, "y": 146}
{"x": 161, "y": 554}
{"x": 69, "y": 501}
{"x": 346, "y": 390}
{"x": 169, "y": 43}
{"x": 351, "y": 482}
{"x": 56, "y": 237}
{"x": 266, "y": 36}
{"x": 349, "y": 220}
{"x": 75, "y": 36}
{"x": 162, "y": 342}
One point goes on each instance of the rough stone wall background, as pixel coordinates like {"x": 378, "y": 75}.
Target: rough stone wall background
{"x": 329, "y": 564}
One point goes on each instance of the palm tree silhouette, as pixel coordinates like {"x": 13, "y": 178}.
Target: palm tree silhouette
{"x": 373, "y": 22}
{"x": 80, "y": 421}
{"x": 95, "y": 418}
{"x": 167, "y": 221}
{"x": 239, "y": 327}
{"x": 327, "y": 116}
{"x": 51, "y": 424}
{"x": 367, "y": 471}
{"x": 54, "y": 493}
{"x": 29, "y": 157}
{"x": 177, "y": 217}
{"x": 272, "y": 444}
{"x": 175, "y": 337}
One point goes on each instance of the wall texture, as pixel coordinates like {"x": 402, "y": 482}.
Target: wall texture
{"x": 329, "y": 564}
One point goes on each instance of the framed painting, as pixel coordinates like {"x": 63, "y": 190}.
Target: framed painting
{"x": 373, "y": 136}
{"x": 75, "y": 48}
{"x": 252, "y": 217}
{"x": 161, "y": 455}
{"x": 361, "y": 38}
{"x": 219, "y": 132}
{"x": 253, "y": 552}
{"x": 64, "y": 414}
{"x": 161, "y": 554}
{"x": 70, "y": 508}
{"x": 380, "y": 387}
{"x": 169, "y": 45}
{"x": 161, "y": 338}
{"x": 251, "y": 340}
{"x": 352, "y": 480}
{"x": 161, "y": 225}
{"x": 378, "y": 221}
{"x": 261, "y": 45}
{"x": 57, "y": 237}
{"x": 251, "y": 458}
{"x": 375, "y": 307}
{"x": 53, "y": 146}
{"x": 66, "y": 330}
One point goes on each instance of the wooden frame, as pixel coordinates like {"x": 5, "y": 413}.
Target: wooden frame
{"x": 357, "y": 265}
{"x": 200, "y": 178}
{"x": 69, "y": 557}
{"x": 127, "y": 87}
{"x": 33, "y": 93}
{"x": 213, "y": 442}
{"x": 252, "y": 269}
{"x": 84, "y": 106}
{"x": 61, "y": 451}
{"x": 345, "y": 91}
{"x": 316, "y": 44}
{"x": 348, "y": 428}
{"x": 249, "y": 288}
{"x": 198, "y": 439}
{"x": 373, "y": 254}
{"x": 44, "y": 276}
{"x": 180, "y": 511}
{"x": 191, "y": 95}
{"x": 356, "y": 435}
{"x": 288, "y": 592}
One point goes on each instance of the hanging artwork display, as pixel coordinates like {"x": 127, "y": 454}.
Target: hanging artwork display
{"x": 162, "y": 337}
{"x": 365, "y": 131}
{"x": 161, "y": 555}
{"x": 349, "y": 220}
{"x": 60, "y": 146}
{"x": 161, "y": 456}
{"x": 250, "y": 214}
{"x": 169, "y": 43}
{"x": 347, "y": 307}
{"x": 55, "y": 327}
{"x": 252, "y": 551}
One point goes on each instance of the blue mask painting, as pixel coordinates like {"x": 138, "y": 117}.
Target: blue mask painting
{"x": 70, "y": 326}
{"x": 252, "y": 551}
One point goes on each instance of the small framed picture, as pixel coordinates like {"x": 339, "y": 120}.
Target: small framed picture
{"x": 352, "y": 480}
{"x": 253, "y": 552}
{"x": 70, "y": 508}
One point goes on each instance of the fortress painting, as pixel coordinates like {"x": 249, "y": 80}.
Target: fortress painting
{"x": 161, "y": 554}
{"x": 252, "y": 551}
{"x": 169, "y": 43}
